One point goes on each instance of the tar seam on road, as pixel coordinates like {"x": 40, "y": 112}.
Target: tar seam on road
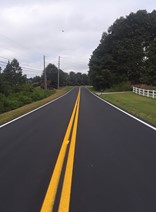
{"x": 3, "y": 125}
{"x": 130, "y": 115}
{"x": 49, "y": 199}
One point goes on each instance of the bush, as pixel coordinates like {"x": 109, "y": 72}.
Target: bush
{"x": 40, "y": 94}
{"x": 28, "y": 95}
{"x": 24, "y": 99}
{"x": 122, "y": 86}
{"x": 11, "y": 104}
{"x": 2, "y": 100}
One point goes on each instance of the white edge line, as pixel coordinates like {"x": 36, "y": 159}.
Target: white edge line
{"x": 148, "y": 125}
{"x": 9, "y": 122}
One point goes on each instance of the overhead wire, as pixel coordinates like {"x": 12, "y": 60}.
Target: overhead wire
{"x": 23, "y": 67}
{"x": 4, "y": 58}
{"x": 17, "y": 44}
{"x": 72, "y": 60}
{"x": 3, "y": 62}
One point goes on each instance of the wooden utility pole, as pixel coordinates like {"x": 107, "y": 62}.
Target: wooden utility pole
{"x": 45, "y": 74}
{"x": 58, "y": 80}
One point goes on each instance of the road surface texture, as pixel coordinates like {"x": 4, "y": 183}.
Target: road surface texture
{"x": 28, "y": 151}
{"x": 114, "y": 166}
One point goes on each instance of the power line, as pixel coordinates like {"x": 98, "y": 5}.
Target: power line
{"x": 4, "y": 58}
{"x": 29, "y": 68}
{"x": 3, "y": 62}
{"x": 23, "y": 67}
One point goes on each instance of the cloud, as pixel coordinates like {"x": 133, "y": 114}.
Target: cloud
{"x": 31, "y": 29}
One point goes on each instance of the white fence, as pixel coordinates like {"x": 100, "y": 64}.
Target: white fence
{"x": 144, "y": 92}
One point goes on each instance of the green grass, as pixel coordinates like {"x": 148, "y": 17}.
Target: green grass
{"x": 139, "y": 106}
{"x": 7, "y": 116}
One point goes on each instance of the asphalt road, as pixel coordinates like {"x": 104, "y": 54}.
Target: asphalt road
{"x": 28, "y": 151}
{"x": 115, "y": 161}
{"x": 114, "y": 166}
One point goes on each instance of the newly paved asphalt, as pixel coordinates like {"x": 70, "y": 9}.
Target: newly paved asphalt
{"x": 115, "y": 158}
{"x": 115, "y": 161}
{"x": 28, "y": 151}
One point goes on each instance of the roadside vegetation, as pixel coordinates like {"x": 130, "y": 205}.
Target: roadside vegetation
{"x": 19, "y": 95}
{"x": 122, "y": 86}
{"x": 7, "y": 116}
{"x": 26, "y": 96}
{"x": 16, "y": 90}
{"x": 126, "y": 57}
{"x": 142, "y": 107}
{"x": 126, "y": 53}
{"x": 139, "y": 106}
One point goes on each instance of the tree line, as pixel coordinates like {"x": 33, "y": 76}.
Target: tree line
{"x": 127, "y": 52}
{"x": 71, "y": 78}
{"x": 17, "y": 90}
{"x": 13, "y": 80}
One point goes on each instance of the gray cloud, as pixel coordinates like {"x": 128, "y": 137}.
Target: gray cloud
{"x": 30, "y": 29}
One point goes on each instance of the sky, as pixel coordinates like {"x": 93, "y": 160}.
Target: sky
{"x": 71, "y": 29}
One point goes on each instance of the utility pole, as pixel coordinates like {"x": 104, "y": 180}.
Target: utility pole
{"x": 45, "y": 74}
{"x": 58, "y": 79}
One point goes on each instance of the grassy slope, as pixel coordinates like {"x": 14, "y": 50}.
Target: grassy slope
{"x": 141, "y": 107}
{"x": 5, "y": 117}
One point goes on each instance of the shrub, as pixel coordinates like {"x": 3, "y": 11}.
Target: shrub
{"x": 2, "y": 100}
{"x": 18, "y": 99}
{"x": 122, "y": 86}
{"x": 24, "y": 99}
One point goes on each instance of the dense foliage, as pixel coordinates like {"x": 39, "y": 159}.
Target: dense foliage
{"x": 16, "y": 90}
{"x": 23, "y": 97}
{"x": 64, "y": 78}
{"x": 12, "y": 79}
{"x": 127, "y": 52}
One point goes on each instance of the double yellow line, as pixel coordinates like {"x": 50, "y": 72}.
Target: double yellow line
{"x": 71, "y": 132}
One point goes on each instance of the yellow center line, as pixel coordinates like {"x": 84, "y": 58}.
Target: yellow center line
{"x": 66, "y": 190}
{"x": 49, "y": 199}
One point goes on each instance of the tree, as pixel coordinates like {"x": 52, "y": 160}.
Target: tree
{"x": 64, "y": 78}
{"x": 13, "y": 73}
{"x": 52, "y": 76}
{"x": 12, "y": 77}
{"x": 85, "y": 80}
{"x": 72, "y": 78}
{"x": 126, "y": 51}
{"x": 36, "y": 81}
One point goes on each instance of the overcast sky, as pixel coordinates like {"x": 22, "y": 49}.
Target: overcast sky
{"x": 71, "y": 29}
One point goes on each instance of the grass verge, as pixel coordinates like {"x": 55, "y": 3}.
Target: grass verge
{"x": 139, "y": 106}
{"x": 5, "y": 117}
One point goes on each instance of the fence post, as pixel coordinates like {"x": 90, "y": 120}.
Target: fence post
{"x": 144, "y": 92}
{"x": 153, "y": 94}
